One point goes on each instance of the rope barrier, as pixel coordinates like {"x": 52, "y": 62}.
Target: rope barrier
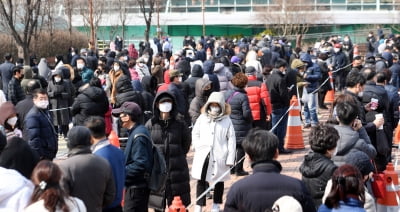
{"x": 65, "y": 108}
{"x": 327, "y": 79}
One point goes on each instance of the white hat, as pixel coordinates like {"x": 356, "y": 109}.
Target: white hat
{"x": 287, "y": 204}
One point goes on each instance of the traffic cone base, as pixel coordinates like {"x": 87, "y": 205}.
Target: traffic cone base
{"x": 391, "y": 200}
{"x": 177, "y": 205}
{"x": 294, "y": 133}
{"x": 330, "y": 95}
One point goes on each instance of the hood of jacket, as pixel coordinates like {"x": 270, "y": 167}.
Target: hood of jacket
{"x": 17, "y": 181}
{"x": 347, "y": 140}
{"x": 124, "y": 84}
{"x": 305, "y": 57}
{"x": 149, "y": 84}
{"x": 208, "y": 67}
{"x": 313, "y": 165}
{"x": 28, "y": 73}
{"x": 94, "y": 93}
{"x": 57, "y": 72}
{"x": 218, "y": 67}
{"x": 7, "y": 109}
{"x": 156, "y": 111}
{"x": 200, "y": 85}
{"x": 197, "y": 71}
{"x": 217, "y": 97}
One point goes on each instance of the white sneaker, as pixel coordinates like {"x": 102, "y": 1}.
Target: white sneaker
{"x": 215, "y": 210}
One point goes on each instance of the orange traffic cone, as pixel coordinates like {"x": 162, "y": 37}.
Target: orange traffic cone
{"x": 396, "y": 139}
{"x": 113, "y": 138}
{"x": 330, "y": 95}
{"x": 294, "y": 134}
{"x": 177, "y": 205}
{"x": 391, "y": 201}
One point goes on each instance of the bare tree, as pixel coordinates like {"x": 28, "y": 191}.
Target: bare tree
{"x": 69, "y": 7}
{"x": 92, "y": 13}
{"x": 290, "y": 17}
{"x": 20, "y": 18}
{"x": 123, "y": 13}
{"x": 147, "y": 9}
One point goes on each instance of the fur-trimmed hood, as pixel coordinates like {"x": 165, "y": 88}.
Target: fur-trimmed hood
{"x": 217, "y": 97}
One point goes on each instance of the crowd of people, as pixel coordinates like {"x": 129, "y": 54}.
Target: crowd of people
{"x": 220, "y": 97}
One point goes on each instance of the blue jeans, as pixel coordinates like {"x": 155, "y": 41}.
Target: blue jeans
{"x": 310, "y": 110}
{"x": 280, "y": 129}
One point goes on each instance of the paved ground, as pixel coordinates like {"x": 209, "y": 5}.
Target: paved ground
{"x": 290, "y": 162}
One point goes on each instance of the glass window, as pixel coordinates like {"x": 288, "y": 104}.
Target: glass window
{"x": 354, "y": 7}
{"x": 178, "y": 9}
{"x": 386, "y": 7}
{"x": 260, "y": 8}
{"x": 369, "y": 7}
{"x": 242, "y": 1}
{"x": 178, "y": 2}
{"x": 337, "y": 7}
{"x": 338, "y": 1}
{"x": 227, "y": 2}
{"x": 353, "y": 1}
{"x": 194, "y": 2}
{"x": 323, "y": 8}
{"x": 243, "y": 9}
{"x": 323, "y": 1}
{"x": 211, "y": 9}
{"x": 194, "y": 9}
{"x": 259, "y": 1}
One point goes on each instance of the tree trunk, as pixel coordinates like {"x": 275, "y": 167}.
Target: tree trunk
{"x": 23, "y": 52}
{"x": 147, "y": 31}
{"x": 298, "y": 40}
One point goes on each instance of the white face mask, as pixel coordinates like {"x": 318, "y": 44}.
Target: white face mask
{"x": 336, "y": 50}
{"x": 116, "y": 68}
{"x": 57, "y": 79}
{"x": 360, "y": 94}
{"x": 180, "y": 79}
{"x": 215, "y": 110}
{"x": 12, "y": 121}
{"x": 165, "y": 107}
{"x": 42, "y": 104}
{"x": 80, "y": 66}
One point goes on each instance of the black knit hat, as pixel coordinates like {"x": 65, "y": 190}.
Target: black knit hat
{"x": 361, "y": 161}
{"x": 78, "y": 136}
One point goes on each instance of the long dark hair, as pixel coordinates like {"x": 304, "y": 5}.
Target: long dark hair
{"x": 347, "y": 182}
{"x": 46, "y": 177}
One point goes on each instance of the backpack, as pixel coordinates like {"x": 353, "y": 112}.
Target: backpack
{"x": 157, "y": 179}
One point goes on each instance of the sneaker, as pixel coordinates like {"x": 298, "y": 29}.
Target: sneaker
{"x": 284, "y": 151}
{"x": 307, "y": 126}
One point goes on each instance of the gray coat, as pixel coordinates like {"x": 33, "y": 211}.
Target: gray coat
{"x": 349, "y": 141}
{"x": 59, "y": 96}
{"x": 88, "y": 177}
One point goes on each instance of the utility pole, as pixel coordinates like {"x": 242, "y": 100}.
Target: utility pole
{"x": 203, "y": 8}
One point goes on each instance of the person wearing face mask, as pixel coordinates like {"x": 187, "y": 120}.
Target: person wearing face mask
{"x": 203, "y": 91}
{"x": 280, "y": 99}
{"x": 115, "y": 74}
{"x": 142, "y": 68}
{"x": 42, "y": 136}
{"x": 339, "y": 61}
{"x": 15, "y": 91}
{"x": 8, "y": 121}
{"x": 214, "y": 144}
{"x": 59, "y": 93}
{"x": 317, "y": 167}
{"x": 177, "y": 88}
{"x": 172, "y": 136}
{"x": 85, "y": 72}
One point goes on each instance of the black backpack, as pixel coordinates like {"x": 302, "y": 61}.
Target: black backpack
{"x": 159, "y": 173}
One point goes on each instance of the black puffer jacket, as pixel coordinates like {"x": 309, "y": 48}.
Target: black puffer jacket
{"x": 316, "y": 170}
{"x": 92, "y": 101}
{"x": 241, "y": 113}
{"x": 176, "y": 135}
{"x": 125, "y": 93}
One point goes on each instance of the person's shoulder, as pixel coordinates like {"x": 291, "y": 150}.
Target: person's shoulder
{"x": 36, "y": 206}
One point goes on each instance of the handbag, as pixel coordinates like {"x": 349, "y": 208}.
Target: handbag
{"x": 378, "y": 183}
{"x": 305, "y": 97}
{"x": 157, "y": 201}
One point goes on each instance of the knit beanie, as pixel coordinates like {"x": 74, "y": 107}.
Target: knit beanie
{"x": 361, "y": 161}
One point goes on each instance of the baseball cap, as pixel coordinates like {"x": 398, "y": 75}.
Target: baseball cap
{"x": 129, "y": 108}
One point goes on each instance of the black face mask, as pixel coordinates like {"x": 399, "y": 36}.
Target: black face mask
{"x": 207, "y": 92}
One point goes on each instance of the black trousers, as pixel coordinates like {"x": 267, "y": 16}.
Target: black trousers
{"x": 202, "y": 186}
{"x": 136, "y": 199}
{"x": 239, "y": 154}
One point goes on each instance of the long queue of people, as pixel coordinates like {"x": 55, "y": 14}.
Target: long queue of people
{"x": 217, "y": 96}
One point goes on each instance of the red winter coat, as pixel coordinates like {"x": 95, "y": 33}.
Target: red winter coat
{"x": 257, "y": 92}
